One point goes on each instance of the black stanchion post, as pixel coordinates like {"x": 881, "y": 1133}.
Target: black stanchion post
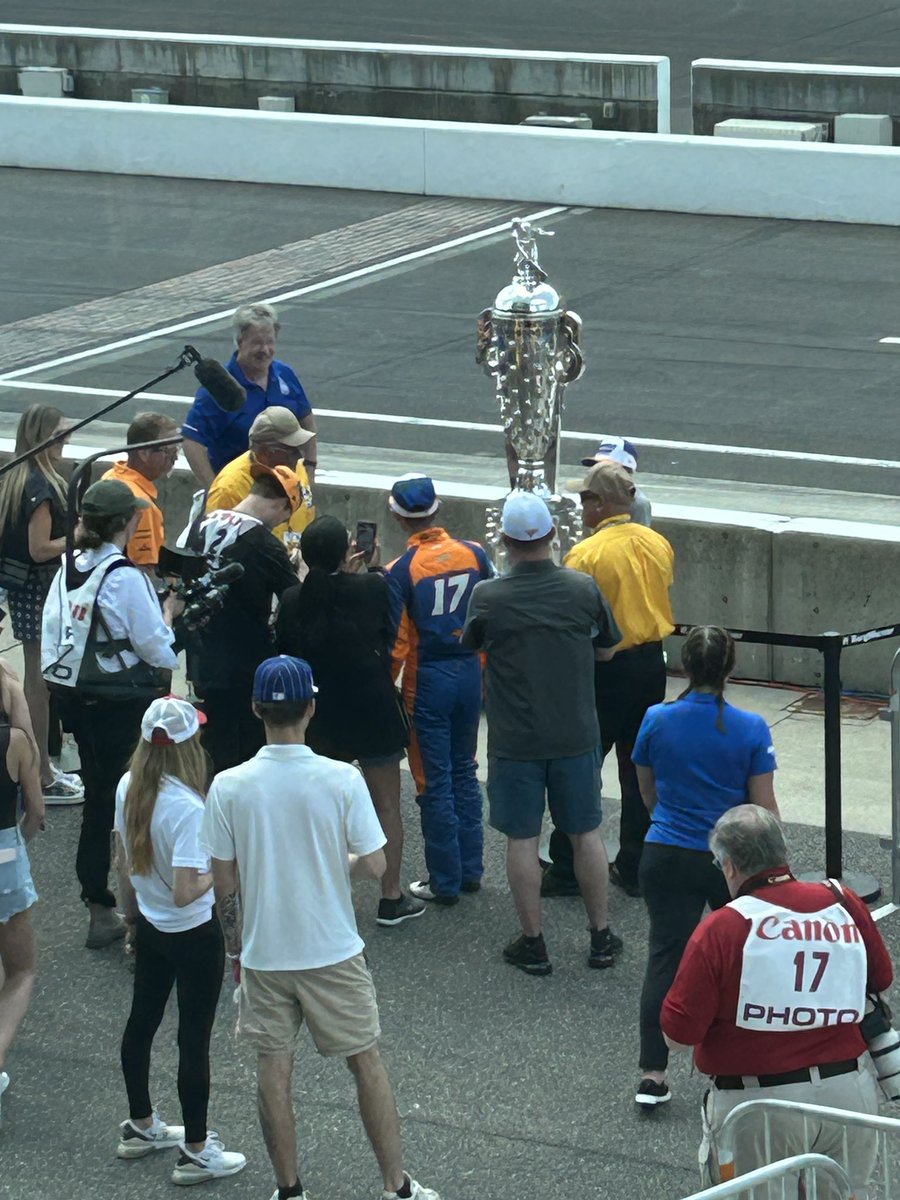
{"x": 834, "y": 846}
{"x": 865, "y": 885}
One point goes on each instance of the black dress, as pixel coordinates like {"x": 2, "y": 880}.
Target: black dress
{"x": 358, "y": 712}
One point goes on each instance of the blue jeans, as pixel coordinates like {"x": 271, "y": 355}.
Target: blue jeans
{"x": 445, "y": 707}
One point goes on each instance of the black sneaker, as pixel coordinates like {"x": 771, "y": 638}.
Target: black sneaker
{"x": 553, "y": 885}
{"x": 650, "y": 1093}
{"x": 470, "y": 885}
{"x": 395, "y": 912}
{"x": 629, "y": 886}
{"x": 605, "y": 945}
{"x": 529, "y": 955}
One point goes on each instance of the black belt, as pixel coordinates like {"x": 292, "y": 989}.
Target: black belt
{"x": 735, "y": 1083}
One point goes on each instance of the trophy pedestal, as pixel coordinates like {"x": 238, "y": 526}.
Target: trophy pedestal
{"x": 566, "y": 517}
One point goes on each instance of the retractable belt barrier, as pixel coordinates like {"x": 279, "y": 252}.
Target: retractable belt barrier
{"x": 830, "y": 646}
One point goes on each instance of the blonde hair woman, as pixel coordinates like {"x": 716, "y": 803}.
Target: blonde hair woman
{"x": 166, "y": 889}
{"x": 32, "y": 539}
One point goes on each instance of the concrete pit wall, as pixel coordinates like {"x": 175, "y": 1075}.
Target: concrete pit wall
{"x": 419, "y": 83}
{"x": 725, "y": 88}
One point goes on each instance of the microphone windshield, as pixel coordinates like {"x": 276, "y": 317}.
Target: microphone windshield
{"x": 224, "y": 388}
{"x": 228, "y": 574}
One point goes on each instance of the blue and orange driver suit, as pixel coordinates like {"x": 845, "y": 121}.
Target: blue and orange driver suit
{"x": 432, "y": 584}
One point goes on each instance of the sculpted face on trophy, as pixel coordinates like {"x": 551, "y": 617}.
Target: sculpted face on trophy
{"x": 530, "y": 344}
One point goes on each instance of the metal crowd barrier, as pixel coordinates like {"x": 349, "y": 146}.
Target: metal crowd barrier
{"x": 786, "y": 1180}
{"x": 831, "y": 646}
{"x": 887, "y": 1131}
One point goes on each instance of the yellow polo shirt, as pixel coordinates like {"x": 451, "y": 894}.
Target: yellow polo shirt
{"x": 150, "y": 535}
{"x": 633, "y": 568}
{"x": 233, "y": 483}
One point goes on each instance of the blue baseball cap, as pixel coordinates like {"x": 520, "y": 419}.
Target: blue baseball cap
{"x": 413, "y": 496}
{"x": 619, "y": 449}
{"x": 283, "y": 678}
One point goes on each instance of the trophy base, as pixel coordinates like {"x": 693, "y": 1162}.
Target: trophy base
{"x": 566, "y": 517}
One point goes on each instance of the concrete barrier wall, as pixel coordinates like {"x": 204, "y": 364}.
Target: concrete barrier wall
{"x": 661, "y": 172}
{"x": 363, "y": 79}
{"x": 723, "y": 88}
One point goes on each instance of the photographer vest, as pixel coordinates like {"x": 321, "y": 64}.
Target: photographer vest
{"x": 800, "y": 970}
{"x": 75, "y": 637}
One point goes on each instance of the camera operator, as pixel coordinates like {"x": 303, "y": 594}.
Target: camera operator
{"x": 106, "y": 652}
{"x": 237, "y": 637}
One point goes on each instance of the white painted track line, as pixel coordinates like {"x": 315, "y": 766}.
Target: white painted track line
{"x": 307, "y": 290}
{"x": 840, "y": 460}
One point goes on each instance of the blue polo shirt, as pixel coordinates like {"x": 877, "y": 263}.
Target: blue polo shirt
{"x": 226, "y": 435}
{"x": 700, "y": 770}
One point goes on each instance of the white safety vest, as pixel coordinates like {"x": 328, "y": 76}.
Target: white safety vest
{"x": 67, "y": 622}
{"x": 800, "y": 970}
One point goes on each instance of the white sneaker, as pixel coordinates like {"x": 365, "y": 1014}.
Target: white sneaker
{"x": 213, "y": 1162}
{"x": 65, "y": 789}
{"x": 304, "y": 1195}
{"x": 135, "y": 1142}
{"x": 67, "y": 776}
{"x": 416, "y": 1191}
{"x": 4, "y": 1084}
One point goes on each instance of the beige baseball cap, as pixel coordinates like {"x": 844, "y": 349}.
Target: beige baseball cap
{"x": 609, "y": 480}
{"x": 277, "y": 424}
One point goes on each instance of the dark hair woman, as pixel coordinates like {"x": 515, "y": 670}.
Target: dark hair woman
{"x": 106, "y": 652}
{"x": 32, "y": 539}
{"x": 695, "y": 758}
{"x": 341, "y": 620}
{"x": 166, "y": 887}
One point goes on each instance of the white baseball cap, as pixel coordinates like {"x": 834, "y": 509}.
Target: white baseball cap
{"x": 170, "y": 720}
{"x": 526, "y": 518}
{"x": 618, "y": 449}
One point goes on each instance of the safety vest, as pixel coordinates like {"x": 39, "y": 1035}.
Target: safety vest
{"x": 800, "y": 970}
{"x": 71, "y": 641}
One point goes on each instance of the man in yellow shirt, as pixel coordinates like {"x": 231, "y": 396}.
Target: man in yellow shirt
{"x": 139, "y": 473}
{"x": 633, "y": 567}
{"x": 275, "y": 440}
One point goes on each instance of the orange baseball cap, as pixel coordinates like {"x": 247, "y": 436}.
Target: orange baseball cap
{"x": 286, "y": 477}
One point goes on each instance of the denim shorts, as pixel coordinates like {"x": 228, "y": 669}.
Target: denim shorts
{"x": 516, "y": 791}
{"x": 16, "y": 889}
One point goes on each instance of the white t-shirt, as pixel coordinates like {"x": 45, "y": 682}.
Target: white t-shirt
{"x": 290, "y": 818}
{"x": 175, "y": 832}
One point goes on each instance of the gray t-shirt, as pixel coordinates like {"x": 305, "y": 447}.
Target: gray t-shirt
{"x": 539, "y": 625}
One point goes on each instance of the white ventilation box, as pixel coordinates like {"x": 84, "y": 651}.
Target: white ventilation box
{"x": 149, "y": 95}
{"x": 276, "y": 104}
{"x": 782, "y": 131}
{"x": 583, "y": 121}
{"x": 861, "y": 129}
{"x": 47, "y": 82}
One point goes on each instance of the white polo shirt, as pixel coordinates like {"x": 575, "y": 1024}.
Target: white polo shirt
{"x": 290, "y": 818}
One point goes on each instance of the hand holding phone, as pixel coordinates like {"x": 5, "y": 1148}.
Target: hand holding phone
{"x": 365, "y": 539}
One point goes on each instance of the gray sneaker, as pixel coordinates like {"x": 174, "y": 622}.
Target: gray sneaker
{"x": 106, "y": 927}
{"x": 63, "y": 791}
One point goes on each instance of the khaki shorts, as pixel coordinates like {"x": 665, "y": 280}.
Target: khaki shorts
{"x": 337, "y": 1003}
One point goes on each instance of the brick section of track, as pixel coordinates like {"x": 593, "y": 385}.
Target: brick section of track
{"x": 68, "y": 330}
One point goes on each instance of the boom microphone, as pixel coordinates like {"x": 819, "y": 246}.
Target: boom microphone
{"x": 224, "y": 388}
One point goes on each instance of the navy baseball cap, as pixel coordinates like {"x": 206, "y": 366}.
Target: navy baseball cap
{"x": 283, "y": 678}
{"x": 619, "y": 449}
{"x": 413, "y": 496}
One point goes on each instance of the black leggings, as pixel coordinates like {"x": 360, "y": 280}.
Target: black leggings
{"x": 677, "y": 885}
{"x": 194, "y": 961}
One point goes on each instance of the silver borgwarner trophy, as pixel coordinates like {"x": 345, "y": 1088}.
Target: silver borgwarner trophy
{"x": 529, "y": 343}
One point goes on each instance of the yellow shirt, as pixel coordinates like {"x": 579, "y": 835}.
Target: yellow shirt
{"x": 233, "y": 483}
{"x": 143, "y": 549}
{"x": 632, "y": 566}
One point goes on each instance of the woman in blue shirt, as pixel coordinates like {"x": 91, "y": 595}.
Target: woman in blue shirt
{"x": 695, "y": 758}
